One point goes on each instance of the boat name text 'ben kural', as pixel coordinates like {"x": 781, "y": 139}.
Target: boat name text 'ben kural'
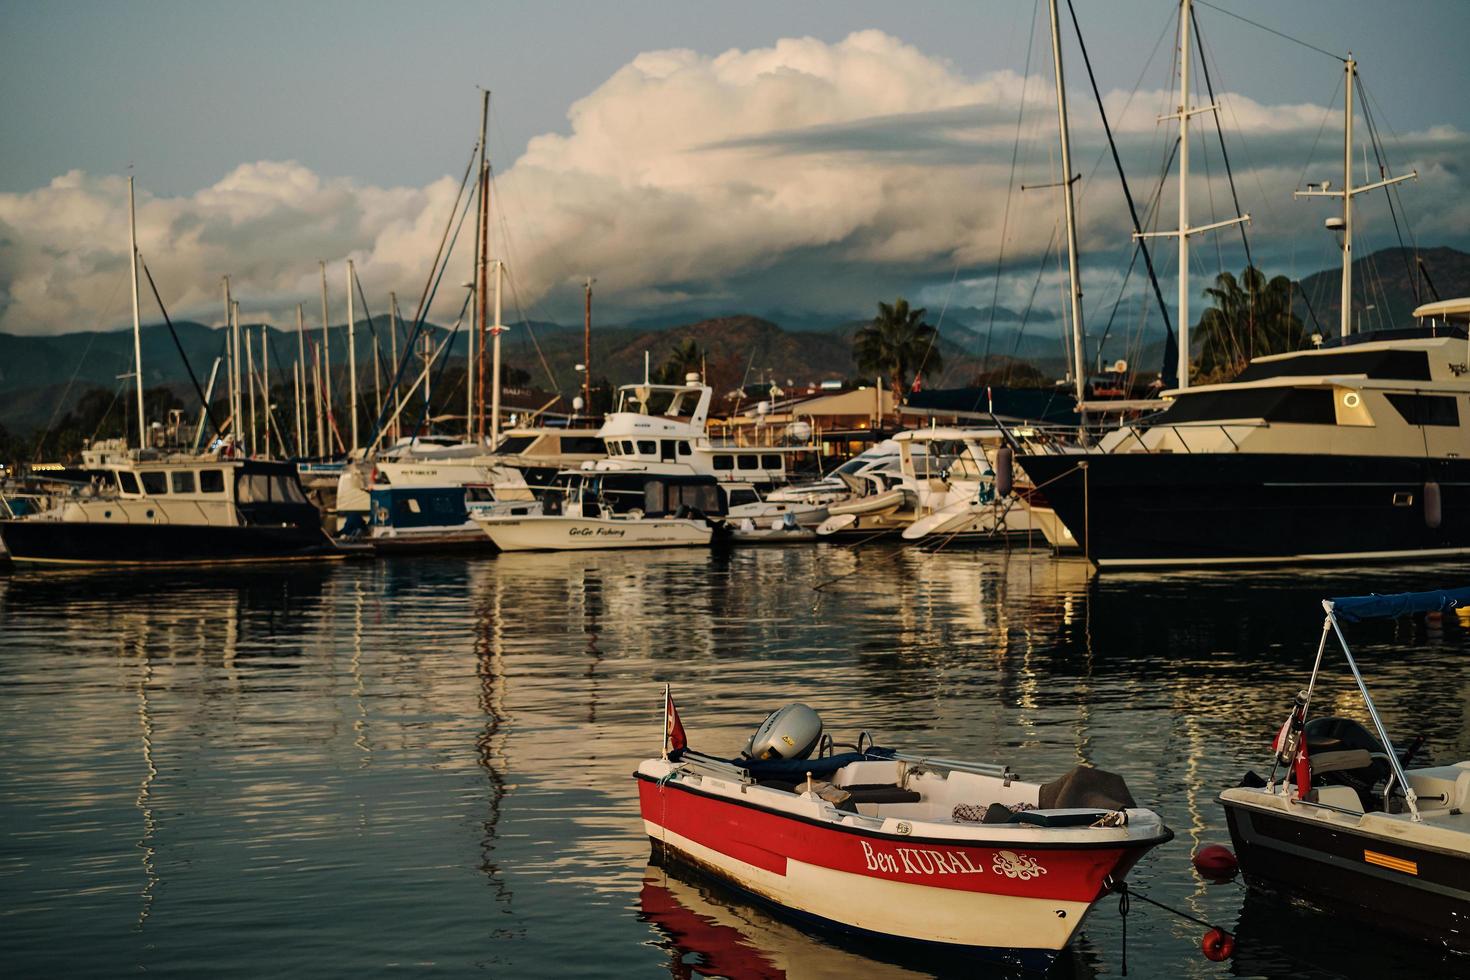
{"x": 927, "y": 861}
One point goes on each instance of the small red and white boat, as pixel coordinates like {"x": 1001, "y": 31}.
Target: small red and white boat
{"x": 884, "y": 842}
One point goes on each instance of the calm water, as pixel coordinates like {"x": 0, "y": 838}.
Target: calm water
{"x": 423, "y": 765}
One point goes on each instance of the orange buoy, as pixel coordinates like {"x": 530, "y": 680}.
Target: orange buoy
{"x": 1217, "y": 945}
{"x": 1215, "y": 861}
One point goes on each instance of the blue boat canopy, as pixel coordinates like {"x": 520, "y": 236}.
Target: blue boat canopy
{"x": 1357, "y": 607}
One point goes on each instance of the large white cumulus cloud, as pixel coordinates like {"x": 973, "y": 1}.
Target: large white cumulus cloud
{"x": 807, "y": 175}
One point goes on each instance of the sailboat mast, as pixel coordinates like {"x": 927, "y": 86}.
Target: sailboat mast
{"x": 1069, "y": 207}
{"x": 481, "y": 258}
{"x": 1351, "y": 67}
{"x": 326, "y": 357}
{"x": 137, "y": 327}
{"x": 1184, "y": 19}
{"x": 587, "y": 348}
{"x": 302, "y": 426}
{"x": 230, "y": 374}
{"x": 351, "y": 357}
{"x": 495, "y": 333}
{"x": 393, "y": 340}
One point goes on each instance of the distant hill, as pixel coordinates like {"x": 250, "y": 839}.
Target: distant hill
{"x": 42, "y": 376}
{"x": 1386, "y": 280}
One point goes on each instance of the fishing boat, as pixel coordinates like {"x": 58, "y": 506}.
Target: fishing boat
{"x": 877, "y": 841}
{"x": 613, "y": 511}
{"x": 1349, "y": 827}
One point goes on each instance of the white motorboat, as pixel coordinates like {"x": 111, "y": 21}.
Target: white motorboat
{"x": 606, "y": 511}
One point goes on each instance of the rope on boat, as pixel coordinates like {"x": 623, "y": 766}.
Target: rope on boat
{"x": 1218, "y": 944}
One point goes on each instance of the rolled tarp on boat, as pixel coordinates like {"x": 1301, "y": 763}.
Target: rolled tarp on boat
{"x": 1374, "y": 606}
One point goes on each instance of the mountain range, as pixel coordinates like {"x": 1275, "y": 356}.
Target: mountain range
{"x": 42, "y": 377}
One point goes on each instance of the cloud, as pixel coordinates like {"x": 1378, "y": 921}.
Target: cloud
{"x": 806, "y": 175}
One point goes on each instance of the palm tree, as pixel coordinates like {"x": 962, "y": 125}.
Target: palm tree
{"x": 898, "y": 345}
{"x": 685, "y": 358}
{"x": 1250, "y": 317}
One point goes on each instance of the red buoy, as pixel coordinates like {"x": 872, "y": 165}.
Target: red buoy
{"x": 1215, "y": 861}
{"x": 1217, "y": 945}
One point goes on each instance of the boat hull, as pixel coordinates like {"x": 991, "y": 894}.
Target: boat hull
{"x": 1016, "y": 902}
{"x": 50, "y": 542}
{"x": 1390, "y": 884}
{"x": 560, "y": 533}
{"x": 1172, "y": 509}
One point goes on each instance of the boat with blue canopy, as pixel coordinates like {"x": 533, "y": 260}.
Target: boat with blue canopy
{"x": 1343, "y": 822}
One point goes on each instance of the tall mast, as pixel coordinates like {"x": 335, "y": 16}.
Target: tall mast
{"x": 239, "y": 374}
{"x": 1069, "y": 206}
{"x": 231, "y": 374}
{"x": 587, "y": 348}
{"x": 481, "y": 258}
{"x": 1184, "y": 230}
{"x": 265, "y": 381}
{"x": 1347, "y": 194}
{"x": 495, "y": 333}
{"x": 351, "y": 357}
{"x": 137, "y": 327}
{"x": 321, "y": 413}
{"x": 301, "y": 385}
{"x": 326, "y": 355}
{"x": 1351, "y": 67}
{"x": 1185, "y": 9}
{"x": 393, "y": 335}
{"x": 250, "y": 374}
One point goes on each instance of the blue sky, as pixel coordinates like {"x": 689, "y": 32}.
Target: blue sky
{"x": 364, "y": 108}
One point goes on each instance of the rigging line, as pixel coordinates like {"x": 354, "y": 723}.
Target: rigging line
{"x": 1271, "y": 30}
{"x": 377, "y": 347}
{"x": 1326, "y": 115}
{"x": 1385, "y": 171}
{"x": 121, "y": 386}
{"x": 65, "y": 392}
{"x": 432, "y": 290}
{"x": 1122, "y": 177}
{"x": 515, "y": 295}
{"x": 198, "y": 389}
{"x": 1220, "y": 132}
{"x": 438, "y": 368}
{"x": 515, "y": 291}
{"x": 1010, "y": 191}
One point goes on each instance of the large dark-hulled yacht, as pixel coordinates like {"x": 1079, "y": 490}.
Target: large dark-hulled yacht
{"x": 146, "y": 508}
{"x": 1357, "y": 450}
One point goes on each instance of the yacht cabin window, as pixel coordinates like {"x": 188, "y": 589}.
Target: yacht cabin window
{"x": 723, "y": 462}
{"x": 666, "y": 450}
{"x": 613, "y": 450}
{"x": 738, "y": 497}
{"x": 155, "y": 483}
{"x": 683, "y": 448}
{"x": 749, "y": 462}
{"x": 127, "y": 481}
{"x": 211, "y": 481}
{"x": 628, "y": 449}
{"x": 647, "y": 447}
{"x": 771, "y": 461}
{"x": 267, "y": 488}
{"x": 182, "y": 480}
{"x": 1426, "y": 409}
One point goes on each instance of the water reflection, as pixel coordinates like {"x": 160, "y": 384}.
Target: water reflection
{"x": 710, "y": 930}
{"x": 361, "y": 766}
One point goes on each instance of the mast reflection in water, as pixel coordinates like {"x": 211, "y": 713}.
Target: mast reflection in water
{"x": 322, "y": 769}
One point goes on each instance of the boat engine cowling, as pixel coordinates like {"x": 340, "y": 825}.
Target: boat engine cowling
{"x": 791, "y": 732}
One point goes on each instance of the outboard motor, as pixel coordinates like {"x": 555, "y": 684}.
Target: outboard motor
{"x": 791, "y": 732}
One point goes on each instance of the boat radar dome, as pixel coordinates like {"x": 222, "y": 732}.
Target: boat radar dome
{"x": 791, "y": 732}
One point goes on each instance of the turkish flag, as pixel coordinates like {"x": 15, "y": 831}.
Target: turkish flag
{"x": 1303, "y": 767}
{"x": 675, "y": 741}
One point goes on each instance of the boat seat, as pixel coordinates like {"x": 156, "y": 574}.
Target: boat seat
{"x": 1340, "y": 760}
{"x": 1441, "y": 786}
{"x": 872, "y": 795}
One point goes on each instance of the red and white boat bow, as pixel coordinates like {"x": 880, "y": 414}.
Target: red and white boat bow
{"x": 887, "y": 843}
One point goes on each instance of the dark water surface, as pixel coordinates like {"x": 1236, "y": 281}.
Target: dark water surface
{"x": 423, "y": 765}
